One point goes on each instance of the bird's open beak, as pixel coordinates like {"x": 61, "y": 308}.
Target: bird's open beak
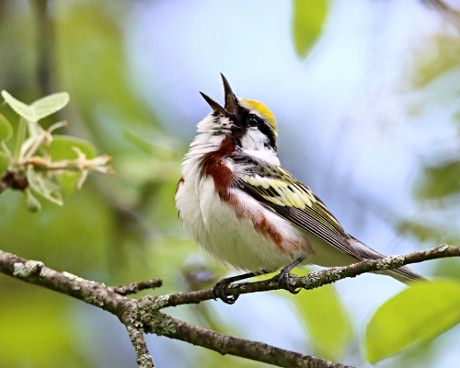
{"x": 230, "y": 100}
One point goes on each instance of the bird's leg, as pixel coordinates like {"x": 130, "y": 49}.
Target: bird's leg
{"x": 283, "y": 276}
{"x": 219, "y": 289}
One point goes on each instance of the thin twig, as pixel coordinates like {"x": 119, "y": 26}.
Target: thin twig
{"x": 135, "y": 287}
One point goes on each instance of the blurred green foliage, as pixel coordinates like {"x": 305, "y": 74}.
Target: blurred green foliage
{"x": 53, "y": 341}
{"x": 438, "y": 56}
{"x": 326, "y": 320}
{"x": 108, "y": 230}
{"x": 6, "y": 131}
{"x": 441, "y": 181}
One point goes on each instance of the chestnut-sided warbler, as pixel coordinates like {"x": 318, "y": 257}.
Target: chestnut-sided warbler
{"x": 244, "y": 209}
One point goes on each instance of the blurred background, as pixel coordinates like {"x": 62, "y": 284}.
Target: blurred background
{"x": 367, "y": 98}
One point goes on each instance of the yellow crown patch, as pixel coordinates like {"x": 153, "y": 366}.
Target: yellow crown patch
{"x": 262, "y": 110}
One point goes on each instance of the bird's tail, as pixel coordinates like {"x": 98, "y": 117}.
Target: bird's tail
{"x": 403, "y": 274}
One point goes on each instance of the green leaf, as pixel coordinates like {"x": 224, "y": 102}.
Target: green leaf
{"x": 61, "y": 148}
{"x": 4, "y": 163}
{"x": 419, "y": 313}
{"x": 49, "y": 105}
{"x": 6, "y": 131}
{"x": 33, "y": 203}
{"x": 327, "y": 320}
{"x": 44, "y": 187}
{"x": 307, "y": 24}
{"x": 19, "y": 107}
{"x": 40, "y": 108}
{"x": 68, "y": 180}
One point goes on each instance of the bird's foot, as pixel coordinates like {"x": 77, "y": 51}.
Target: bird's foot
{"x": 285, "y": 275}
{"x": 283, "y": 281}
{"x": 218, "y": 291}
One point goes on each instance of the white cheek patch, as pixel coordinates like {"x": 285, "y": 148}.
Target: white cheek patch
{"x": 254, "y": 139}
{"x": 255, "y": 143}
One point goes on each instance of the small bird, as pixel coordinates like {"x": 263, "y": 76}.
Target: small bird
{"x": 243, "y": 208}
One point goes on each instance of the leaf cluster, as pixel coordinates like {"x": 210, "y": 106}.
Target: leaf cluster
{"x": 41, "y": 159}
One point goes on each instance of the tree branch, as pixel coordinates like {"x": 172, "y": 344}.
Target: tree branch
{"x": 144, "y": 315}
{"x": 316, "y": 278}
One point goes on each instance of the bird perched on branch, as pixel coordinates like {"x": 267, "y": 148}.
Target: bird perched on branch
{"x": 243, "y": 208}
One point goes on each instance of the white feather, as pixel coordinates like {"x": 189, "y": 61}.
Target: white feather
{"x": 232, "y": 239}
{"x": 255, "y": 143}
{"x": 214, "y": 223}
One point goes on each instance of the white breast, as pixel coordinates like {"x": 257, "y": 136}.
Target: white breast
{"x": 234, "y": 236}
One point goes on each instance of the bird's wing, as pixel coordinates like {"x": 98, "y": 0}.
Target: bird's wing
{"x": 279, "y": 191}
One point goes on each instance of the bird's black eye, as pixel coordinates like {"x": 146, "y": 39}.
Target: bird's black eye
{"x": 253, "y": 121}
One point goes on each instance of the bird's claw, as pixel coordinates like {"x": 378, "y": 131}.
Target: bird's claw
{"x": 218, "y": 291}
{"x": 283, "y": 281}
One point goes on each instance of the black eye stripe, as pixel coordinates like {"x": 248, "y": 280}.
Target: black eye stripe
{"x": 251, "y": 120}
{"x": 265, "y": 129}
